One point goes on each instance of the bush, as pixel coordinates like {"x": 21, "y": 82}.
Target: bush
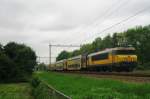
{"x": 39, "y": 89}
{"x": 35, "y": 82}
{"x": 16, "y": 62}
{"x": 8, "y": 70}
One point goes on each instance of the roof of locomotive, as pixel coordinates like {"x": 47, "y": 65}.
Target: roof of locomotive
{"x": 111, "y": 49}
{"x": 123, "y": 48}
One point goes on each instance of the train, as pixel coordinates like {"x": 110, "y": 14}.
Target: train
{"x": 113, "y": 59}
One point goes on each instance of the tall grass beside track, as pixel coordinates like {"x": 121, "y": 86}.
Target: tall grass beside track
{"x": 15, "y": 91}
{"x": 81, "y": 87}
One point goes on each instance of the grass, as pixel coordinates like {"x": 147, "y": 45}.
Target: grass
{"x": 15, "y": 91}
{"x": 81, "y": 87}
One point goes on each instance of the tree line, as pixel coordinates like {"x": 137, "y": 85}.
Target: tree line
{"x": 16, "y": 62}
{"x": 138, "y": 37}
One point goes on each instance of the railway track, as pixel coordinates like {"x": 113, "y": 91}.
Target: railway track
{"x": 123, "y": 76}
{"x": 131, "y": 74}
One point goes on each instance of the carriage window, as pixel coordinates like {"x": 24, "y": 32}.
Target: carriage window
{"x": 100, "y": 57}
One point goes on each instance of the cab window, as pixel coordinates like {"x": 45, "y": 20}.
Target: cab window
{"x": 100, "y": 57}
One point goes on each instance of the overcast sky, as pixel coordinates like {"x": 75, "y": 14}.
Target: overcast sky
{"x": 40, "y": 22}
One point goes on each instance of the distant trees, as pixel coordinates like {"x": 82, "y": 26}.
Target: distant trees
{"x": 41, "y": 67}
{"x": 16, "y": 62}
{"x": 63, "y": 55}
{"x": 86, "y": 48}
{"x": 138, "y": 37}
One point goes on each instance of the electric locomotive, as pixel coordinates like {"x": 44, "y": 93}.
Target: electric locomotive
{"x": 114, "y": 59}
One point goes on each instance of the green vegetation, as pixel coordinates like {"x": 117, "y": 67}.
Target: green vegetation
{"x": 41, "y": 67}
{"x": 16, "y": 62}
{"x": 15, "y": 91}
{"x": 138, "y": 37}
{"x": 41, "y": 90}
{"x": 81, "y": 87}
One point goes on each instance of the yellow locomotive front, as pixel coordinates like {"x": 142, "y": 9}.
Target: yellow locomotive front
{"x": 124, "y": 58}
{"x": 113, "y": 59}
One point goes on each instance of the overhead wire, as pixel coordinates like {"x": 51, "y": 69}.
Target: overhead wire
{"x": 126, "y": 19}
{"x": 107, "y": 13}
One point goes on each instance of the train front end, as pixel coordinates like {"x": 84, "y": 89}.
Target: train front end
{"x": 125, "y": 59}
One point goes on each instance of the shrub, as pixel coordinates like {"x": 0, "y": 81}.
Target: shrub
{"x": 16, "y": 62}
{"x": 8, "y": 70}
